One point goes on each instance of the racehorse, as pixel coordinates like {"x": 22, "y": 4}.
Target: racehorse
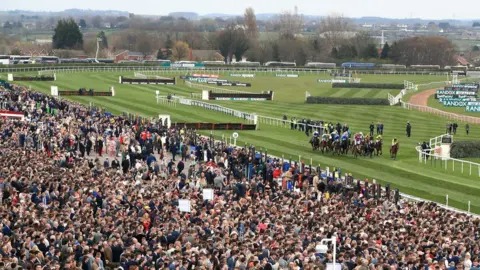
{"x": 394, "y": 151}
{"x": 345, "y": 146}
{"x": 336, "y": 147}
{"x": 369, "y": 148}
{"x": 324, "y": 146}
{"x": 378, "y": 147}
{"x": 315, "y": 142}
{"x": 356, "y": 150}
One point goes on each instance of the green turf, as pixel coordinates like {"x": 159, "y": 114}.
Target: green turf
{"x": 406, "y": 173}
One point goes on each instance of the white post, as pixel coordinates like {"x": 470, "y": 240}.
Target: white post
{"x": 468, "y": 207}
{"x": 334, "y": 240}
{"x": 447, "y": 200}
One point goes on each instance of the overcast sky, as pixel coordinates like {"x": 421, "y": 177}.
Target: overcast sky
{"x": 426, "y": 9}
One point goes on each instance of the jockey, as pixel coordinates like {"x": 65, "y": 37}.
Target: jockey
{"x": 315, "y": 134}
{"x": 345, "y": 136}
{"x": 325, "y": 136}
{"x": 379, "y": 138}
{"x": 358, "y": 138}
{"x": 394, "y": 141}
{"x": 336, "y": 137}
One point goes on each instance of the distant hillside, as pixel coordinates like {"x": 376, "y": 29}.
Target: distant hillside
{"x": 409, "y": 21}
{"x": 186, "y": 15}
{"x": 196, "y": 16}
{"x": 67, "y": 12}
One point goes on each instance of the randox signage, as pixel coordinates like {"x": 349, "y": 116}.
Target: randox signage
{"x": 473, "y": 108}
{"x": 473, "y": 103}
{"x": 287, "y": 75}
{"x": 242, "y": 75}
{"x": 455, "y": 103}
{"x": 456, "y": 92}
{"x": 466, "y": 86}
{"x": 462, "y": 88}
{"x": 241, "y": 99}
{"x": 457, "y": 99}
{"x": 206, "y": 75}
{"x": 331, "y": 81}
{"x": 187, "y": 65}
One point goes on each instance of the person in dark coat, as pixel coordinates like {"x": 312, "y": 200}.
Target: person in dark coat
{"x": 173, "y": 149}
{"x": 115, "y": 163}
{"x": 126, "y": 164}
{"x": 89, "y": 147}
{"x": 180, "y": 167}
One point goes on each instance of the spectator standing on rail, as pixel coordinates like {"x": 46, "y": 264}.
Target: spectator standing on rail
{"x": 372, "y": 126}
{"x": 381, "y": 129}
{"x": 409, "y": 129}
{"x": 378, "y": 128}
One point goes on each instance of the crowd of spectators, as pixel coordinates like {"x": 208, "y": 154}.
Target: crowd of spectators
{"x": 69, "y": 204}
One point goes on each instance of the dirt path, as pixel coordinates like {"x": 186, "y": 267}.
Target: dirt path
{"x": 422, "y": 97}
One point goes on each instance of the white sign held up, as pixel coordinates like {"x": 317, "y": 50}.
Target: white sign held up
{"x": 208, "y": 194}
{"x": 184, "y": 205}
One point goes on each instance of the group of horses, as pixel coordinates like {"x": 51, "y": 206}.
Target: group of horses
{"x": 343, "y": 147}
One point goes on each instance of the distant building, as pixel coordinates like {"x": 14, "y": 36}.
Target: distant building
{"x": 43, "y": 41}
{"x": 343, "y": 34}
{"x": 461, "y": 61}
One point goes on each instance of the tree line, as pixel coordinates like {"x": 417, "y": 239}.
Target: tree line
{"x": 336, "y": 40}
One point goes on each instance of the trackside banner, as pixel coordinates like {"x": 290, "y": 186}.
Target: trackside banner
{"x": 242, "y": 75}
{"x": 206, "y": 75}
{"x": 456, "y": 92}
{"x": 287, "y": 75}
{"x": 472, "y": 108}
{"x": 240, "y": 98}
{"x": 457, "y": 99}
{"x": 454, "y": 103}
{"x": 331, "y": 81}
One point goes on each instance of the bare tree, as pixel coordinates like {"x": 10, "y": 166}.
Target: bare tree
{"x": 251, "y": 23}
{"x": 180, "y": 51}
{"x": 423, "y": 51}
{"x": 335, "y": 29}
{"x": 291, "y": 23}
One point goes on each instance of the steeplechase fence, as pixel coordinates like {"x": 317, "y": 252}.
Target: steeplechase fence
{"x": 203, "y": 87}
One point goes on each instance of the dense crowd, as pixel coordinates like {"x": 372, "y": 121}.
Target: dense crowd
{"x": 82, "y": 189}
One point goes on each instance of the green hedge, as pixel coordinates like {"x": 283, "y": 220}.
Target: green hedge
{"x": 368, "y": 85}
{"x": 465, "y": 149}
{"x": 348, "y": 101}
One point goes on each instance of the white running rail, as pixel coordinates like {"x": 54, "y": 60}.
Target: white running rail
{"x": 449, "y": 115}
{"x": 453, "y": 164}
